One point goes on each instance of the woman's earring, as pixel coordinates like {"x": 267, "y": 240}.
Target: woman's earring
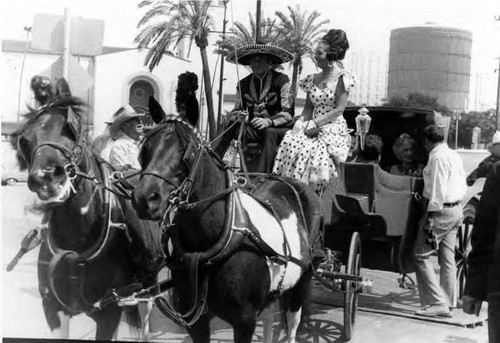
{"x": 330, "y": 64}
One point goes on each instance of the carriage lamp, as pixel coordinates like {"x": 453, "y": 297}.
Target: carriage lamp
{"x": 363, "y": 121}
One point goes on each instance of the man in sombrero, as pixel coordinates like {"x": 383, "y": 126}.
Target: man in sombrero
{"x": 265, "y": 97}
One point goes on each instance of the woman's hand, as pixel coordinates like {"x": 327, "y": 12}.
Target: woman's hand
{"x": 312, "y": 133}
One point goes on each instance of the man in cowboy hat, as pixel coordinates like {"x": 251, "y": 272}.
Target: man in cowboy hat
{"x": 126, "y": 130}
{"x": 265, "y": 97}
{"x": 485, "y": 166}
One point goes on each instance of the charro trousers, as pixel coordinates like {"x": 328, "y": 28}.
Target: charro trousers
{"x": 434, "y": 291}
{"x": 493, "y": 300}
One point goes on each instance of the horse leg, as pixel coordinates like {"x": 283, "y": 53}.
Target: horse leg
{"x": 200, "y": 331}
{"x": 298, "y": 295}
{"x": 244, "y": 327}
{"x": 107, "y": 321}
{"x": 62, "y": 331}
{"x": 267, "y": 316}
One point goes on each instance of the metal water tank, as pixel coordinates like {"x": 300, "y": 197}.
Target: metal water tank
{"x": 431, "y": 60}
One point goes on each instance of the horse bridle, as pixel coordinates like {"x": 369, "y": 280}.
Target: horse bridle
{"x": 73, "y": 157}
{"x": 180, "y": 194}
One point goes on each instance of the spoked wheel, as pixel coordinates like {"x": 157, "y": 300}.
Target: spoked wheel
{"x": 353, "y": 267}
{"x": 463, "y": 247}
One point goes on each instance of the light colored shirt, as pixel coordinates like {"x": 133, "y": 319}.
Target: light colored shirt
{"x": 124, "y": 151}
{"x": 444, "y": 178}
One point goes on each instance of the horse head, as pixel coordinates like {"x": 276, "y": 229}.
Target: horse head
{"x": 47, "y": 146}
{"x": 166, "y": 157}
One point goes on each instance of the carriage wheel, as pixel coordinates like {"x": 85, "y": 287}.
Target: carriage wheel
{"x": 463, "y": 247}
{"x": 353, "y": 267}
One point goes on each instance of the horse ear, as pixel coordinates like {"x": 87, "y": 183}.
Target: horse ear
{"x": 62, "y": 88}
{"x": 156, "y": 111}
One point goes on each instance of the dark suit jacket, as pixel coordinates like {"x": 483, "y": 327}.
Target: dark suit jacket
{"x": 484, "y": 260}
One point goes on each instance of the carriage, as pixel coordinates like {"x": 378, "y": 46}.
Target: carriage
{"x": 377, "y": 213}
{"x": 357, "y": 214}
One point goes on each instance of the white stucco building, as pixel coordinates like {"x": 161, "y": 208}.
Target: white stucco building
{"x": 118, "y": 74}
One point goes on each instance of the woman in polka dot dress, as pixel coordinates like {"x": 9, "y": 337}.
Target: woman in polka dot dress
{"x": 320, "y": 140}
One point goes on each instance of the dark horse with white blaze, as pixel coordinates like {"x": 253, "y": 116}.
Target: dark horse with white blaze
{"x": 95, "y": 243}
{"x": 233, "y": 247}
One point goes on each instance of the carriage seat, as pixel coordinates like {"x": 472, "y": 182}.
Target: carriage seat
{"x": 380, "y": 192}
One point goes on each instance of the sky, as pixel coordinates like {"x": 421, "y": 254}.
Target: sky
{"x": 368, "y": 23}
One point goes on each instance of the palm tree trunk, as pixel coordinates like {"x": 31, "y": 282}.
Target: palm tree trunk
{"x": 208, "y": 93}
{"x": 295, "y": 75}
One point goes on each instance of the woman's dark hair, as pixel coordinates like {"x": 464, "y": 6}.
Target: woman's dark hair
{"x": 336, "y": 39}
{"x": 434, "y": 133}
{"x": 372, "y": 149}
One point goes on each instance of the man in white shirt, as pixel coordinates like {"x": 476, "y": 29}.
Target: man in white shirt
{"x": 126, "y": 130}
{"x": 444, "y": 188}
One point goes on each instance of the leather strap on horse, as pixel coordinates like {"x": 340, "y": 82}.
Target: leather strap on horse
{"x": 200, "y": 299}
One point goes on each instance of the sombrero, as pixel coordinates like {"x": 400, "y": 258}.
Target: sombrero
{"x": 124, "y": 114}
{"x": 495, "y": 140}
{"x": 278, "y": 55}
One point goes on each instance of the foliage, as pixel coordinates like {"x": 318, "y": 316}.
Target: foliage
{"x": 167, "y": 22}
{"x": 298, "y": 33}
{"x": 466, "y": 122}
{"x": 239, "y": 35}
{"x": 484, "y": 120}
{"x": 418, "y": 100}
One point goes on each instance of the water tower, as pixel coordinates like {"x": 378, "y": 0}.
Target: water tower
{"x": 431, "y": 60}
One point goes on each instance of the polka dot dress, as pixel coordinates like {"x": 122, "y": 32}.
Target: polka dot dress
{"x": 312, "y": 160}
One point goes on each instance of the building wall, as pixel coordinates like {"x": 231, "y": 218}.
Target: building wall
{"x": 115, "y": 74}
{"x": 431, "y": 60}
{"x": 370, "y": 70}
{"x": 17, "y": 90}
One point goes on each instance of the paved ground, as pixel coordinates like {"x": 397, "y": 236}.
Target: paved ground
{"x": 22, "y": 314}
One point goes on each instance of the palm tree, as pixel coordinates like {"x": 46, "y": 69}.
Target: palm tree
{"x": 166, "y": 23}
{"x": 298, "y": 33}
{"x": 240, "y": 35}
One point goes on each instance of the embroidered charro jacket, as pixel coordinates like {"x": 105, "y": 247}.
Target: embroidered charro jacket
{"x": 266, "y": 98}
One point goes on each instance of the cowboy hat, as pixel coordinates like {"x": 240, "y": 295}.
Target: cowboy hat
{"x": 494, "y": 140}
{"x": 124, "y": 114}
{"x": 244, "y": 54}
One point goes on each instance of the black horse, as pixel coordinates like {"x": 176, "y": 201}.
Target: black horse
{"x": 95, "y": 242}
{"x": 233, "y": 247}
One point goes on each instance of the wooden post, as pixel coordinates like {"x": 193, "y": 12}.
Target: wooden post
{"x": 221, "y": 79}
{"x": 257, "y": 21}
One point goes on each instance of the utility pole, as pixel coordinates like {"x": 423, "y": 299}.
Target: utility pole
{"x": 497, "y": 18}
{"x": 221, "y": 80}
{"x": 28, "y": 31}
{"x": 257, "y": 21}
{"x": 498, "y": 93}
{"x": 67, "y": 37}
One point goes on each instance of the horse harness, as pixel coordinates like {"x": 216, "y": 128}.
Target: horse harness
{"x": 231, "y": 238}
{"x": 75, "y": 260}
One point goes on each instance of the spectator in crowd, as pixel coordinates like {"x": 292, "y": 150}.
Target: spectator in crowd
{"x": 483, "y": 277}
{"x": 404, "y": 150}
{"x": 264, "y": 96}
{"x": 372, "y": 151}
{"x": 319, "y": 141}
{"x": 126, "y": 130}
{"x": 101, "y": 145}
{"x": 485, "y": 166}
{"x": 444, "y": 188}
